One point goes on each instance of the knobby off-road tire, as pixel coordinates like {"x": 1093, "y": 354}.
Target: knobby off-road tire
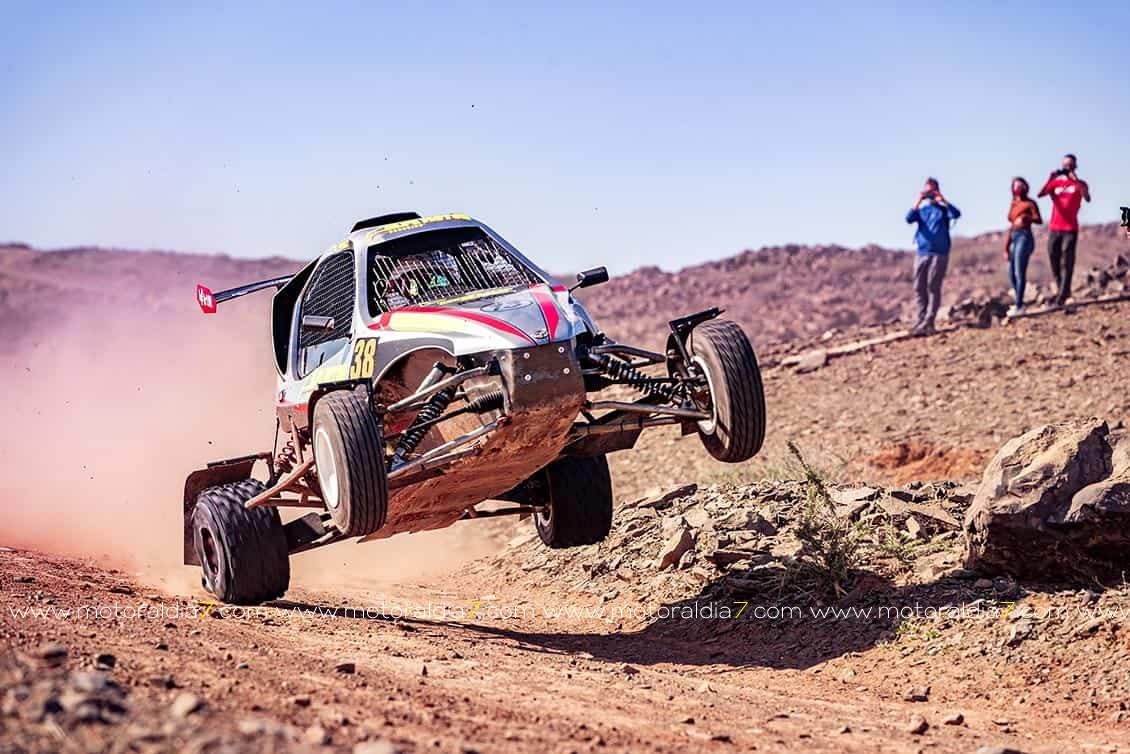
{"x": 736, "y": 429}
{"x": 578, "y": 502}
{"x": 350, "y": 460}
{"x": 243, "y": 553}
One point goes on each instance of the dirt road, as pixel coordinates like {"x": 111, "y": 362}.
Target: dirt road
{"x": 335, "y": 668}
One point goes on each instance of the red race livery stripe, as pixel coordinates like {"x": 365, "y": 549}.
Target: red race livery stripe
{"x": 548, "y": 308}
{"x": 478, "y": 317}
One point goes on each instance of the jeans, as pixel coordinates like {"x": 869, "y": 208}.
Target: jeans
{"x": 1020, "y": 249}
{"x": 929, "y": 271}
{"x": 1061, "y": 253}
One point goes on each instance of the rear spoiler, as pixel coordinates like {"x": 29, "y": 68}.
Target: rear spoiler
{"x": 208, "y": 301}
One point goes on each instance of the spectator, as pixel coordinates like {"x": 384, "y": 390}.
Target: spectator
{"x": 932, "y": 213}
{"x": 1018, "y": 245}
{"x": 1067, "y": 193}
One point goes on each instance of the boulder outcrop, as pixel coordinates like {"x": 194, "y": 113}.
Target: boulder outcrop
{"x": 1054, "y": 504}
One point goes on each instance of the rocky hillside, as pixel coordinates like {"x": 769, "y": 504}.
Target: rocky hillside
{"x": 780, "y": 293}
{"x": 788, "y": 293}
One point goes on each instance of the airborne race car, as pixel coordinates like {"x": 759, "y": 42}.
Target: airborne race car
{"x": 426, "y": 366}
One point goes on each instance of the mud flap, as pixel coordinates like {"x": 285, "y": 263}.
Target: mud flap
{"x": 217, "y": 472}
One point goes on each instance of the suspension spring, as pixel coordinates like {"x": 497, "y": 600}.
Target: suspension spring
{"x": 287, "y": 458}
{"x": 486, "y": 402}
{"x": 622, "y": 370}
{"x": 415, "y": 433}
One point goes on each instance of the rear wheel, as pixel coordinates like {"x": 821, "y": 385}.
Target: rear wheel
{"x": 243, "y": 553}
{"x": 735, "y": 430}
{"x": 349, "y": 458}
{"x": 577, "y": 501}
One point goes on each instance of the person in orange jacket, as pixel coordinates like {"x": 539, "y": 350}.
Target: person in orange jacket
{"x": 1023, "y": 213}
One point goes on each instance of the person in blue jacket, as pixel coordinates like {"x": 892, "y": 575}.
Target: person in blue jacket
{"x": 933, "y": 213}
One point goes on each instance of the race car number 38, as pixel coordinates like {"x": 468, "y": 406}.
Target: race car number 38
{"x": 364, "y": 351}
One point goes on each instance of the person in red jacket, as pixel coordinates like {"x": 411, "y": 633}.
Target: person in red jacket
{"x": 1067, "y": 192}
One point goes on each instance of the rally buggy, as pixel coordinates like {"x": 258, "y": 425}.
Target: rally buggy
{"x": 426, "y": 366}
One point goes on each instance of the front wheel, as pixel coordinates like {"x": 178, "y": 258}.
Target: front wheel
{"x": 576, "y": 496}
{"x": 349, "y": 459}
{"x": 722, "y": 353}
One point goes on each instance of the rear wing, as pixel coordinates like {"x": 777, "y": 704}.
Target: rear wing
{"x": 208, "y": 301}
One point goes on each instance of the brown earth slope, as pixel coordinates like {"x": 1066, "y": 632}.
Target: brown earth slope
{"x": 933, "y": 408}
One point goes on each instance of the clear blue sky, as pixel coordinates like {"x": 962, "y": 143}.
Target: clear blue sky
{"x": 655, "y": 134}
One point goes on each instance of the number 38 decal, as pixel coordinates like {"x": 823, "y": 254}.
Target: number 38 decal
{"x": 364, "y": 350}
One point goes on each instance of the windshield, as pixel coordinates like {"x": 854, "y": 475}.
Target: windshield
{"x": 441, "y": 266}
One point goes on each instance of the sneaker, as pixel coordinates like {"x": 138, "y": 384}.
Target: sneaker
{"x": 1016, "y": 311}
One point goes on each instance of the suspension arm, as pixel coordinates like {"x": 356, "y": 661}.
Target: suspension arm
{"x": 647, "y": 408}
{"x": 491, "y": 401}
{"x": 619, "y": 349}
{"x": 417, "y": 398}
{"x": 440, "y": 454}
{"x": 626, "y": 424}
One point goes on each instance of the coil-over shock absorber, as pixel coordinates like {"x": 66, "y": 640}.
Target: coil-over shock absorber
{"x": 622, "y": 370}
{"x": 424, "y": 419}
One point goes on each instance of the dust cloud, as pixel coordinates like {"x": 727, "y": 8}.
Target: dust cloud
{"x": 110, "y": 410}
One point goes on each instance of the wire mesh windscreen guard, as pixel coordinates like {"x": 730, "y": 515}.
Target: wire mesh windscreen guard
{"x": 438, "y": 266}
{"x": 330, "y": 294}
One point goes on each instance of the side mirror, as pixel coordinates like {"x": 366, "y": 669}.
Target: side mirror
{"x": 587, "y": 278}
{"x": 314, "y": 323}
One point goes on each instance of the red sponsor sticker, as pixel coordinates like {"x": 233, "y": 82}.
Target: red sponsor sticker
{"x": 206, "y": 300}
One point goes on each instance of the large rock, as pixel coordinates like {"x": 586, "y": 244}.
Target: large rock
{"x": 1054, "y": 504}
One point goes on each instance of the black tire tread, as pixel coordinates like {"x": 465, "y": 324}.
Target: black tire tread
{"x": 364, "y": 462}
{"x": 580, "y": 489}
{"x": 255, "y": 555}
{"x": 725, "y": 344}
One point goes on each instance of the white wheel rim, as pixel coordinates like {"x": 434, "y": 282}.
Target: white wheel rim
{"x": 707, "y": 425}
{"x": 545, "y": 515}
{"x": 327, "y": 467}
